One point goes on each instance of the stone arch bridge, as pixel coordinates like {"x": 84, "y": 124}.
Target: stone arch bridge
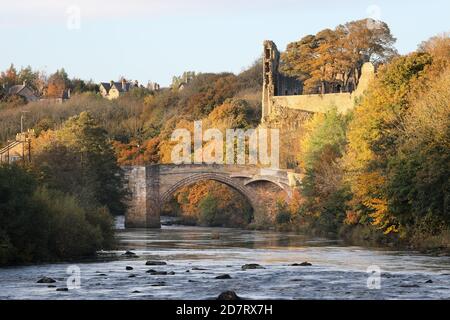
{"x": 151, "y": 186}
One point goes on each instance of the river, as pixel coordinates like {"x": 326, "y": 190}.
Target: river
{"x": 198, "y": 255}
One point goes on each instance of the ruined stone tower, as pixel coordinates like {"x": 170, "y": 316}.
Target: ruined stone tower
{"x": 275, "y": 83}
{"x": 270, "y": 70}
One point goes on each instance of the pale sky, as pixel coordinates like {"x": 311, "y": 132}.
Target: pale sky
{"x": 156, "y": 39}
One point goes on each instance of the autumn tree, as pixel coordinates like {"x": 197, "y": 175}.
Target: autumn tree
{"x": 418, "y": 185}
{"x": 31, "y": 78}
{"x": 57, "y": 83}
{"x": 211, "y": 203}
{"x": 331, "y": 59}
{"x": 9, "y": 77}
{"x": 374, "y": 138}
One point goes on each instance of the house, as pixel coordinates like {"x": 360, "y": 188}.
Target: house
{"x": 19, "y": 149}
{"x": 153, "y": 86}
{"x": 60, "y": 98}
{"x": 24, "y": 91}
{"x": 113, "y": 90}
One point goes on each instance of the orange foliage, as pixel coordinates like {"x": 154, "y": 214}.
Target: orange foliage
{"x": 134, "y": 153}
{"x": 55, "y": 89}
{"x": 231, "y": 205}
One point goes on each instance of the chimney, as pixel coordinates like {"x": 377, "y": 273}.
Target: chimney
{"x": 24, "y": 83}
{"x": 124, "y": 84}
{"x": 68, "y": 94}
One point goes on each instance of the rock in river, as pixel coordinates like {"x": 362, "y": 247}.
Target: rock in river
{"x": 159, "y": 284}
{"x": 46, "y": 280}
{"x": 157, "y": 273}
{"x": 62, "y": 289}
{"x": 303, "y": 264}
{"x": 155, "y": 263}
{"x": 228, "y": 295}
{"x": 408, "y": 285}
{"x": 252, "y": 266}
{"x": 223, "y": 277}
{"x": 130, "y": 254}
{"x": 128, "y": 268}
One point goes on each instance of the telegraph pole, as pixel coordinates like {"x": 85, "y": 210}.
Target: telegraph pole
{"x": 22, "y": 135}
{"x": 22, "y": 117}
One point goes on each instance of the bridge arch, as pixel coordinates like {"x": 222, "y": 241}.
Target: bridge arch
{"x": 222, "y": 178}
{"x": 152, "y": 186}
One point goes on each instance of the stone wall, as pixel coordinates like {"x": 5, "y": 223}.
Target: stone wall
{"x": 314, "y": 103}
{"x": 137, "y": 206}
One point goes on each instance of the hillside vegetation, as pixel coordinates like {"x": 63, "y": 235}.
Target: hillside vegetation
{"x": 378, "y": 175}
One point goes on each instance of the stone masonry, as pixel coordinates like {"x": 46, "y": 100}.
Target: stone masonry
{"x": 151, "y": 186}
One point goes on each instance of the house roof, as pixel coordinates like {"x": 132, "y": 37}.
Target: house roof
{"x": 117, "y": 85}
{"x": 120, "y": 88}
{"x": 16, "y": 89}
{"x": 106, "y": 85}
{"x": 19, "y": 90}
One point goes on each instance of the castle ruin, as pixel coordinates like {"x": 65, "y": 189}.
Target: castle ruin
{"x": 283, "y": 98}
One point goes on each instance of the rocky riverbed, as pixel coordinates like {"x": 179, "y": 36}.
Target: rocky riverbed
{"x": 200, "y": 263}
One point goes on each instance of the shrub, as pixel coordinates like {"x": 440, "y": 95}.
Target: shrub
{"x": 283, "y": 214}
{"x": 208, "y": 209}
{"x": 39, "y": 224}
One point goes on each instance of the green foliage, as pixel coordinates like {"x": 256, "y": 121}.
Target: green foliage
{"x": 418, "y": 183}
{"x": 208, "y": 210}
{"x": 324, "y": 192}
{"x": 20, "y": 240}
{"x": 81, "y": 161}
{"x": 324, "y": 131}
{"x": 38, "y": 224}
{"x": 283, "y": 216}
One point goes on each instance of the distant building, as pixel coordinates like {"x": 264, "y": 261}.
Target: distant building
{"x": 113, "y": 90}
{"x": 23, "y": 91}
{"x": 153, "y": 86}
{"x": 63, "y": 96}
{"x": 182, "y": 86}
{"x": 19, "y": 149}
